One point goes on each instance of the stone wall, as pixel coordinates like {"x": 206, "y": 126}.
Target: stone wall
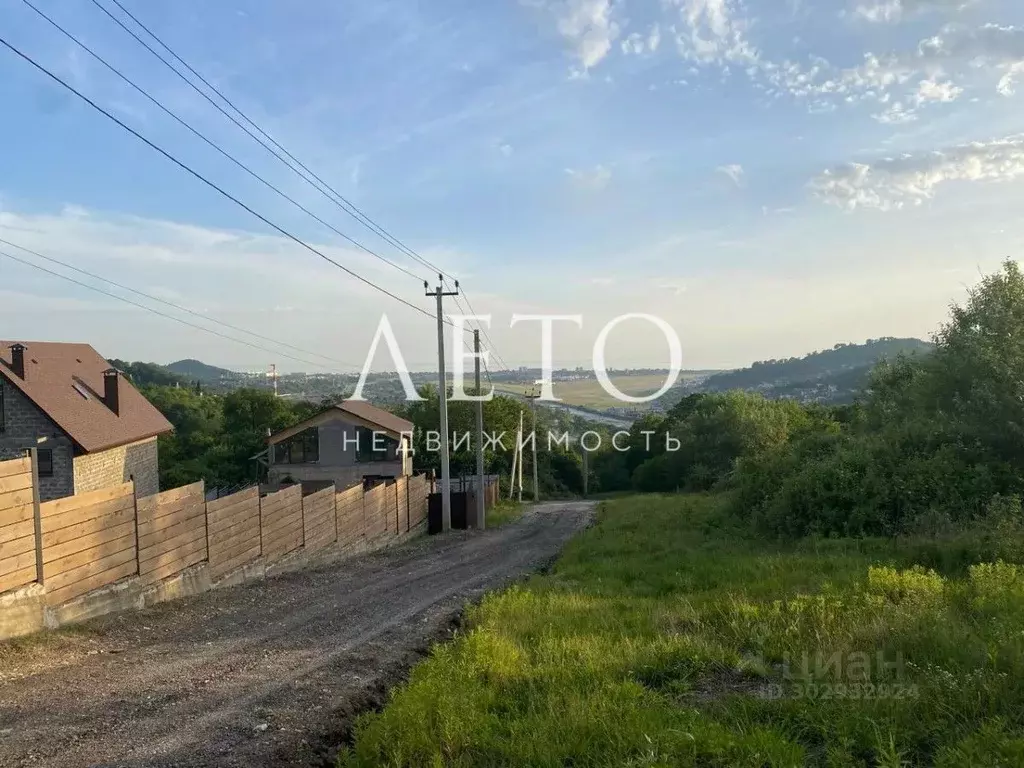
{"x": 135, "y": 461}
{"x": 25, "y": 426}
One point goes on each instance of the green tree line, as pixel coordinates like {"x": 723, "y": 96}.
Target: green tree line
{"x": 935, "y": 440}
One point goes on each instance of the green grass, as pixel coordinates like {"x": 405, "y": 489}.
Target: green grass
{"x": 504, "y": 512}
{"x": 665, "y": 636}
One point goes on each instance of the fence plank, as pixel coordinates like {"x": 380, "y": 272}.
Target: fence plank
{"x": 16, "y": 530}
{"x": 52, "y": 554}
{"x": 68, "y": 517}
{"x": 15, "y": 499}
{"x": 220, "y": 547}
{"x": 56, "y": 571}
{"x": 175, "y": 566}
{"x": 180, "y": 550}
{"x": 176, "y": 525}
{"x": 115, "y": 572}
{"x": 184, "y": 538}
{"x": 84, "y": 500}
{"x": 19, "y": 578}
{"x": 17, "y": 562}
{"x": 219, "y": 504}
{"x": 13, "y": 483}
{"x": 15, "y": 467}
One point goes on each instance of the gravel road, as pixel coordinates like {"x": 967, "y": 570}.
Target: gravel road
{"x": 266, "y": 674}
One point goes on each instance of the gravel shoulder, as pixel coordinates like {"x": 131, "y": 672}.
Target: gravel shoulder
{"x": 266, "y": 674}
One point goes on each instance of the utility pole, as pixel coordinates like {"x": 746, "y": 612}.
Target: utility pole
{"x": 515, "y": 463}
{"x": 479, "y": 440}
{"x": 519, "y": 448}
{"x": 532, "y": 397}
{"x": 273, "y": 375}
{"x": 442, "y": 396}
{"x": 586, "y": 475}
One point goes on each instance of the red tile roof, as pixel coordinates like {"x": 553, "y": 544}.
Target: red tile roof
{"x": 66, "y": 382}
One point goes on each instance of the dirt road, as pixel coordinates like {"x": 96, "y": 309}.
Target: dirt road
{"x": 265, "y": 674}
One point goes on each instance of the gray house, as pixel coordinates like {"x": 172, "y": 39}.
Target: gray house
{"x": 91, "y": 427}
{"x": 343, "y": 445}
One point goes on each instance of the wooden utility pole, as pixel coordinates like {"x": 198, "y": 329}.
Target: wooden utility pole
{"x": 442, "y": 395}
{"x": 479, "y": 438}
{"x": 532, "y": 397}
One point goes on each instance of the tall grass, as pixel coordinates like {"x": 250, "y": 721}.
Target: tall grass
{"x": 665, "y": 636}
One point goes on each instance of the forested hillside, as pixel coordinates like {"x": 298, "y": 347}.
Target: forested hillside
{"x": 832, "y": 375}
{"x": 195, "y": 369}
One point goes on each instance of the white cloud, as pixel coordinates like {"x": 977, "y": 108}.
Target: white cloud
{"x": 595, "y": 179}
{"x": 713, "y": 31}
{"x": 1008, "y": 82}
{"x": 587, "y": 26}
{"x": 888, "y": 11}
{"x": 902, "y": 83}
{"x": 911, "y": 179}
{"x": 928, "y": 91}
{"x": 638, "y": 44}
{"x": 506, "y": 149}
{"x": 934, "y": 90}
{"x": 734, "y": 172}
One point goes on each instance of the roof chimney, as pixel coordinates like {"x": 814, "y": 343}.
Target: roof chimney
{"x": 110, "y": 377}
{"x": 18, "y": 360}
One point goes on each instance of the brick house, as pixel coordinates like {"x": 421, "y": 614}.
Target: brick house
{"x": 92, "y": 428}
{"x": 344, "y": 445}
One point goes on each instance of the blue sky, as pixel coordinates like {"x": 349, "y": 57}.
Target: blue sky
{"x": 769, "y": 177}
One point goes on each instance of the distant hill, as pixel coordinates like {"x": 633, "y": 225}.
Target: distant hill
{"x": 149, "y": 374}
{"x": 832, "y": 375}
{"x": 199, "y": 371}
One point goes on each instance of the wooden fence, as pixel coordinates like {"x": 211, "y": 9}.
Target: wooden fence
{"x": 172, "y": 532}
{"x": 18, "y": 531}
{"x": 80, "y": 543}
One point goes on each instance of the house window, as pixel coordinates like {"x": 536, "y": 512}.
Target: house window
{"x": 44, "y": 458}
{"x": 3, "y": 420}
{"x": 365, "y": 451}
{"x": 303, "y": 448}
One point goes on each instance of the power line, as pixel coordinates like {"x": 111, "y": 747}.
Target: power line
{"x": 305, "y": 173}
{"x": 210, "y": 142}
{"x": 321, "y": 185}
{"x": 172, "y": 304}
{"x": 206, "y": 181}
{"x": 164, "y": 314}
{"x": 484, "y": 333}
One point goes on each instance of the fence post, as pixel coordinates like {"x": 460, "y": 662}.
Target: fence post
{"x": 206, "y": 518}
{"x": 334, "y": 510}
{"x": 259, "y": 517}
{"x": 135, "y": 507}
{"x": 33, "y": 454}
